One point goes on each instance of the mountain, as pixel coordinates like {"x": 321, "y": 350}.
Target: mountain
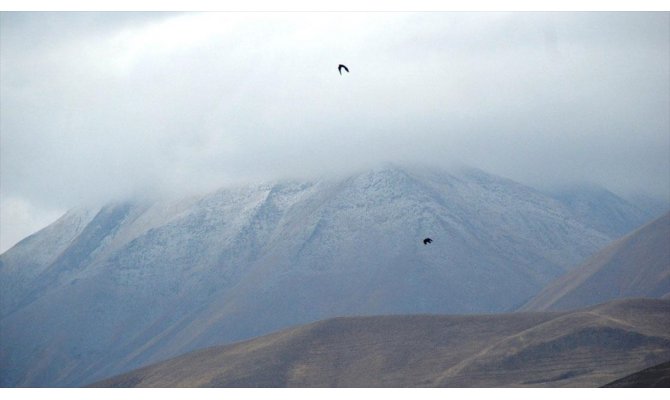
{"x": 585, "y": 348}
{"x": 107, "y": 290}
{"x": 657, "y": 376}
{"x": 653, "y": 206}
{"x": 637, "y": 265}
{"x": 606, "y": 211}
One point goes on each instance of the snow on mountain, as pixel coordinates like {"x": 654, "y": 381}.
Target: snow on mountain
{"x": 604, "y": 210}
{"x": 104, "y": 291}
{"x": 22, "y": 266}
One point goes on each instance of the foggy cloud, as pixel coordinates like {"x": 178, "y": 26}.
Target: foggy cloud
{"x": 101, "y": 106}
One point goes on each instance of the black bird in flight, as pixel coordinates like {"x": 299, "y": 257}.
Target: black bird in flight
{"x": 340, "y": 67}
{"x": 427, "y": 240}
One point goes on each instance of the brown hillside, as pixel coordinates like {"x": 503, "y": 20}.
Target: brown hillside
{"x": 586, "y": 348}
{"x": 657, "y": 376}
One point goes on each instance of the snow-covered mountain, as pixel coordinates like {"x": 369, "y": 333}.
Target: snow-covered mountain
{"x": 606, "y": 211}
{"x": 103, "y": 291}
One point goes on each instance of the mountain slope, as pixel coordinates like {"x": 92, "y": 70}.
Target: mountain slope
{"x": 637, "y": 265}
{"x": 586, "y": 348}
{"x": 657, "y": 376}
{"x": 24, "y": 264}
{"x": 604, "y": 210}
{"x": 133, "y": 283}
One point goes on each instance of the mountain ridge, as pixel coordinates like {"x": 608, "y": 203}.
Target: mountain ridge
{"x": 240, "y": 262}
{"x": 635, "y": 265}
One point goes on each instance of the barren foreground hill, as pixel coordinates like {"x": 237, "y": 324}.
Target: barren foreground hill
{"x": 653, "y": 377}
{"x": 585, "y": 348}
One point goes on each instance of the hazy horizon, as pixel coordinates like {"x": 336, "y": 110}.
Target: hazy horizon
{"x": 111, "y": 105}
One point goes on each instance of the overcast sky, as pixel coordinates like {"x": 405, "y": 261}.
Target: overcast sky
{"x": 102, "y": 106}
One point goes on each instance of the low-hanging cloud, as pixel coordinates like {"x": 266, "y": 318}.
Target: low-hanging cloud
{"x": 99, "y": 106}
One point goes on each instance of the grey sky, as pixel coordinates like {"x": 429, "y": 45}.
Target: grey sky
{"x": 100, "y": 106}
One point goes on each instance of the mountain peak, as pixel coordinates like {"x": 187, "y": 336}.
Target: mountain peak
{"x": 176, "y": 275}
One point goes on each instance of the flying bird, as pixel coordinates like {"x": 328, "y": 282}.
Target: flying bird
{"x": 427, "y": 240}
{"x": 340, "y": 67}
